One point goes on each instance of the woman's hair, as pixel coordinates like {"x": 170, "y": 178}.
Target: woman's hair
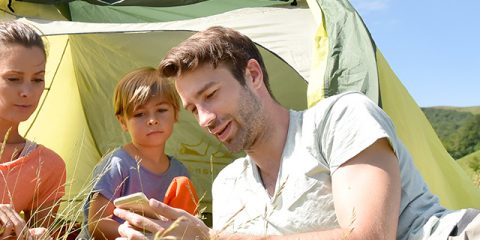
{"x": 15, "y": 32}
{"x": 138, "y": 86}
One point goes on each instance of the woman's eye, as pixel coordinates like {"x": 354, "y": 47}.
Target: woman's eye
{"x": 38, "y": 80}
{"x": 13, "y": 79}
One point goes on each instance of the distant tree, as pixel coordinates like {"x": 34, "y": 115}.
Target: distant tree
{"x": 467, "y": 138}
{"x": 459, "y": 131}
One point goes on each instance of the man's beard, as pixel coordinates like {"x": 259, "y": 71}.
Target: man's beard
{"x": 250, "y": 122}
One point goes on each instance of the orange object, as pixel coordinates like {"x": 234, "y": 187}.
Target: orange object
{"x": 181, "y": 194}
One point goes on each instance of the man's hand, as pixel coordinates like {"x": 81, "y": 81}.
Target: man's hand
{"x": 173, "y": 222}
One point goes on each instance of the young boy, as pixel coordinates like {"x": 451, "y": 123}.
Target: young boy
{"x": 146, "y": 106}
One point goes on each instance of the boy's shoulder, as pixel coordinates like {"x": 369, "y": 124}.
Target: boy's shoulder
{"x": 117, "y": 158}
{"x": 177, "y": 165}
{"x": 117, "y": 155}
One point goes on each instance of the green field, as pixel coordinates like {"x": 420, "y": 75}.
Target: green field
{"x": 471, "y": 165}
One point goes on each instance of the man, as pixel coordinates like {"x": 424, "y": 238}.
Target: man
{"x": 335, "y": 171}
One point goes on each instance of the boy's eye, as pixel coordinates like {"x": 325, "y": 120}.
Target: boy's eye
{"x": 162, "y": 110}
{"x": 139, "y": 114}
{"x": 13, "y": 79}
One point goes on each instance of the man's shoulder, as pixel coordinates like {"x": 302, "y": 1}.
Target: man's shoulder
{"x": 339, "y": 101}
{"x": 337, "y": 105}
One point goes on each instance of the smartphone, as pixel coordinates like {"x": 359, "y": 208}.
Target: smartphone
{"x": 137, "y": 203}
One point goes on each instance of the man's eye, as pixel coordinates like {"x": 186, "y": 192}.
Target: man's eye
{"x": 210, "y": 95}
{"x": 13, "y": 79}
{"x": 38, "y": 80}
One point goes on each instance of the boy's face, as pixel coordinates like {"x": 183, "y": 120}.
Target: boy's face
{"x": 22, "y": 82}
{"x": 228, "y": 110}
{"x": 150, "y": 124}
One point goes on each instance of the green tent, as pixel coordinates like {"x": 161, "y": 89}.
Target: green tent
{"x": 312, "y": 50}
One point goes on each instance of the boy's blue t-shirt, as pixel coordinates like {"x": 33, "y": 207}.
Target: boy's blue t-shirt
{"x": 118, "y": 174}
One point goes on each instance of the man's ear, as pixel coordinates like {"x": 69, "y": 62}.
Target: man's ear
{"x": 254, "y": 74}
{"x": 123, "y": 124}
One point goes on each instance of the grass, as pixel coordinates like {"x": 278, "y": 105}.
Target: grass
{"x": 471, "y": 165}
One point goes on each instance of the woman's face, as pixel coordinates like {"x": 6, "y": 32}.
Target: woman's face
{"x": 22, "y": 72}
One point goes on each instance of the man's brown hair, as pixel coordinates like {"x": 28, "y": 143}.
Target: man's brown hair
{"x": 217, "y": 46}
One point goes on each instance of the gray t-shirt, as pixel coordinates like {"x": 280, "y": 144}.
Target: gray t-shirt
{"x": 319, "y": 141}
{"x": 118, "y": 174}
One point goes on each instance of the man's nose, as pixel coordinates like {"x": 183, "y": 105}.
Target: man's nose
{"x": 205, "y": 117}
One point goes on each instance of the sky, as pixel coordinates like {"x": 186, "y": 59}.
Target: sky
{"x": 432, "y": 46}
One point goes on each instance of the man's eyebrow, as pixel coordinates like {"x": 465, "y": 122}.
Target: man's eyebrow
{"x": 199, "y": 92}
{"x": 203, "y": 89}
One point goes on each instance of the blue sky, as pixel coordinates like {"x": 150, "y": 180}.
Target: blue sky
{"x": 432, "y": 46}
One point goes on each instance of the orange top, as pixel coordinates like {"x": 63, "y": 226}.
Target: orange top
{"x": 182, "y": 194}
{"x": 31, "y": 180}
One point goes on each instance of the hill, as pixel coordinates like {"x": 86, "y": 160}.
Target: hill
{"x": 458, "y": 128}
{"x": 473, "y": 110}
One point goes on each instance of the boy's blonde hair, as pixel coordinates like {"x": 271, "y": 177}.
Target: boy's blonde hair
{"x": 138, "y": 86}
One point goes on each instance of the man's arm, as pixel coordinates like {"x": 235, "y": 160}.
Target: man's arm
{"x": 366, "y": 192}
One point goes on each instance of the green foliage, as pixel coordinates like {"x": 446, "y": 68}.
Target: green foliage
{"x": 457, "y": 128}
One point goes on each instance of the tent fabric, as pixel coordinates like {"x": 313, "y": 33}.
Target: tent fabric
{"x": 149, "y": 3}
{"x": 32, "y": 10}
{"x": 352, "y": 62}
{"x": 85, "y": 12}
{"x": 290, "y": 38}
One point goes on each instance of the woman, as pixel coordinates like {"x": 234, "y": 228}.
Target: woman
{"x": 32, "y": 177}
